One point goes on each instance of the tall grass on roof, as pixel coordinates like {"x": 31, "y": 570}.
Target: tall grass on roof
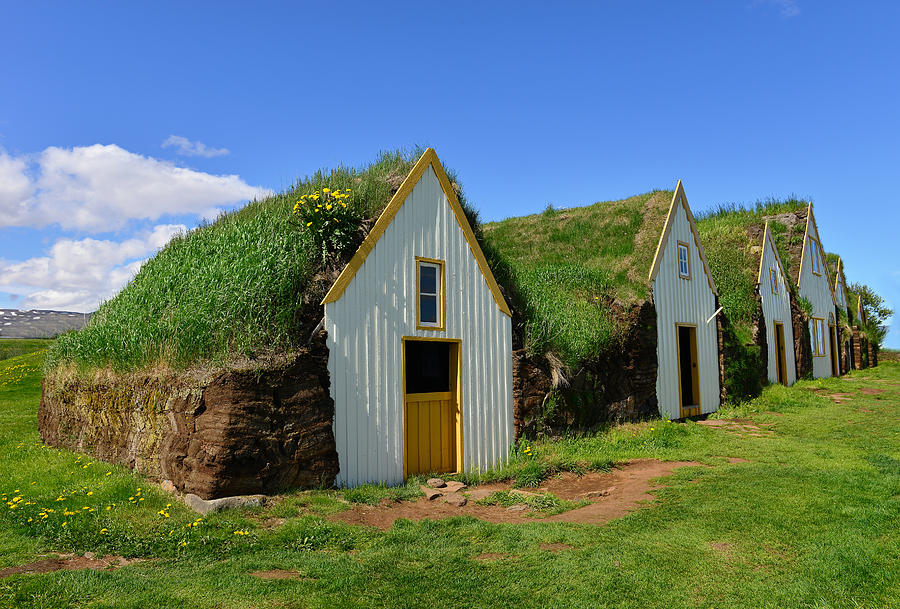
{"x": 234, "y": 287}
{"x": 564, "y": 267}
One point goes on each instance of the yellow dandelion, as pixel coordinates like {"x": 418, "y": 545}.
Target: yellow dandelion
{"x": 103, "y": 531}
{"x": 326, "y": 190}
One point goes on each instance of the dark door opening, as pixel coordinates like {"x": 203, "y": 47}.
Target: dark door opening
{"x": 688, "y": 372}
{"x": 835, "y": 367}
{"x": 427, "y": 366}
{"x": 780, "y": 355}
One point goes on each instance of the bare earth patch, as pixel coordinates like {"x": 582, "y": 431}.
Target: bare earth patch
{"x": 871, "y": 390}
{"x": 71, "y": 562}
{"x": 741, "y": 427}
{"x": 732, "y": 459}
{"x": 839, "y": 398}
{"x": 611, "y": 495}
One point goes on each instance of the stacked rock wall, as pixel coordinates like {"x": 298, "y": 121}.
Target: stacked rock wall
{"x": 230, "y": 432}
{"x": 615, "y": 386}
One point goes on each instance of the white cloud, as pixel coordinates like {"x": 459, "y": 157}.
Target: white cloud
{"x": 102, "y": 187}
{"x": 186, "y": 147}
{"x": 787, "y": 8}
{"x": 77, "y": 275}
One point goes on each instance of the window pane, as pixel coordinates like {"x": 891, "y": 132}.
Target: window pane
{"x": 427, "y": 279}
{"x": 428, "y": 309}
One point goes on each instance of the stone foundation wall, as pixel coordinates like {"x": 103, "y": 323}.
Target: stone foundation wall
{"x": 531, "y": 388}
{"x": 616, "y": 386}
{"x": 857, "y": 343}
{"x": 214, "y": 434}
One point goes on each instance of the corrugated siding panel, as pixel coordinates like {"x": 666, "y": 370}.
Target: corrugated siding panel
{"x": 685, "y": 302}
{"x": 817, "y": 290}
{"x": 777, "y": 307}
{"x": 365, "y": 327}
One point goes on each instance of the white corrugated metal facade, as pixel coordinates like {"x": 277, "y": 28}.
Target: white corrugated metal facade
{"x": 776, "y": 307}
{"x": 684, "y": 301}
{"x": 816, "y": 288}
{"x": 378, "y": 307}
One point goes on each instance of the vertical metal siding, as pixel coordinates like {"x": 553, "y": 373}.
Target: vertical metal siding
{"x": 365, "y": 326}
{"x": 686, "y": 302}
{"x": 776, "y": 307}
{"x": 817, "y": 290}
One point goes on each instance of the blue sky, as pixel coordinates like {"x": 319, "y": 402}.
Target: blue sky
{"x": 120, "y": 123}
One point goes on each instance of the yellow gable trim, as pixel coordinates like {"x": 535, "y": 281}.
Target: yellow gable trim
{"x": 767, "y": 238}
{"x": 679, "y": 197}
{"x": 429, "y": 158}
{"x": 818, "y": 238}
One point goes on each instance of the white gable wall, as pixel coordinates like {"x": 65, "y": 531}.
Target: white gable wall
{"x": 689, "y": 302}
{"x": 776, "y": 307}
{"x": 378, "y": 307}
{"x": 817, "y": 290}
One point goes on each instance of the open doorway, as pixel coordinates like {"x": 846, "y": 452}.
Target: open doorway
{"x": 688, "y": 370}
{"x": 780, "y": 354}
{"x": 431, "y": 409}
{"x": 835, "y": 366}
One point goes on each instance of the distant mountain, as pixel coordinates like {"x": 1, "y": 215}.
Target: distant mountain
{"x": 39, "y": 323}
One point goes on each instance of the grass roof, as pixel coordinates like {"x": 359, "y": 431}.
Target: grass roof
{"x": 564, "y": 267}
{"x": 732, "y": 237}
{"x": 242, "y": 286}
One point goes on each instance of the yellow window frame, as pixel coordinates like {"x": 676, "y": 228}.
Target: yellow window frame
{"x": 687, "y": 249}
{"x": 441, "y": 325}
{"x": 818, "y": 335}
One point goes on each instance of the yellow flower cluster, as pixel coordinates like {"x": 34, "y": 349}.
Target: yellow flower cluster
{"x": 527, "y": 451}
{"x": 242, "y": 532}
{"x": 329, "y": 199}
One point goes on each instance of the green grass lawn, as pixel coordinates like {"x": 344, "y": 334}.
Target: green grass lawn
{"x": 14, "y": 347}
{"x": 813, "y": 520}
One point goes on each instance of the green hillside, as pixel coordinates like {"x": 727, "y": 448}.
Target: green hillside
{"x": 564, "y": 267}
{"x": 246, "y": 285}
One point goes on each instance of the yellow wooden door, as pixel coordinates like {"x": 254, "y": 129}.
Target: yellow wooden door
{"x": 430, "y": 432}
{"x": 689, "y": 372}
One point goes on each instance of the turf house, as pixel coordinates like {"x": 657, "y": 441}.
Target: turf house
{"x": 248, "y": 356}
{"x": 814, "y": 285}
{"x": 844, "y": 313}
{"x": 607, "y": 323}
{"x": 775, "y": 298}
{"x": 419, "y": 342}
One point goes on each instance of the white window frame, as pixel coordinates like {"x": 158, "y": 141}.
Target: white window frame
{"x": 773, "y": 280}
{"x": 438, "y": 295}
{"x": 682, "y": 246}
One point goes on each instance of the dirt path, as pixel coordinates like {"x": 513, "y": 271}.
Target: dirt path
{"x": 612, "y": 495}
{"x": 70, "y": 562}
